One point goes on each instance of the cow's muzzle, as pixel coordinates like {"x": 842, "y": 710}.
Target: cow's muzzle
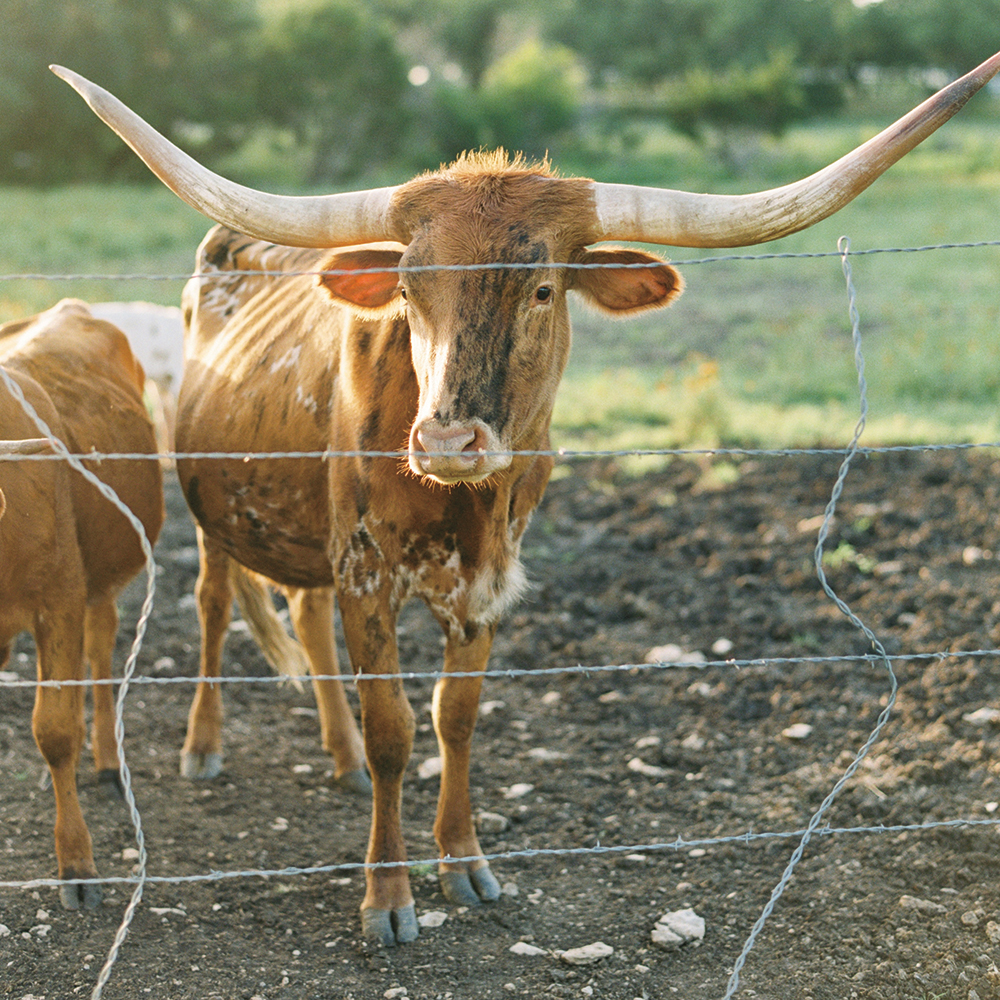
{"x": 455, "y": 453}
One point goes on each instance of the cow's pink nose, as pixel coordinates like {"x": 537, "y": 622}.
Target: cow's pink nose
{"x": 449, "y": 441}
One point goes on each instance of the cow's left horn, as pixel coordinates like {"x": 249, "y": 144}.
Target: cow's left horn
{"x": 676, "y": 218}
{"x": 321, "y": 221}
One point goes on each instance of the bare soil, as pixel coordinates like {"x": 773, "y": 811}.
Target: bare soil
{"x": 691, "y": 555}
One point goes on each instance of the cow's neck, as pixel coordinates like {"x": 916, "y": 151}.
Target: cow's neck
{"x": 457, "y": 547}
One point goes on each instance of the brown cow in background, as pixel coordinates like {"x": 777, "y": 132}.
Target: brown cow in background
{"x": 65, "y": 550}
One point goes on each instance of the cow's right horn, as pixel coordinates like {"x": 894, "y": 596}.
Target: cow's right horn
{"x": 320, "y": 221}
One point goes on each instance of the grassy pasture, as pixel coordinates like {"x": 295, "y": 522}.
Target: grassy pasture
{"x": 757, "y": 352}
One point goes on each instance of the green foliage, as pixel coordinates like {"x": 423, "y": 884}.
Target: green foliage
{"x": 332, "y": 75}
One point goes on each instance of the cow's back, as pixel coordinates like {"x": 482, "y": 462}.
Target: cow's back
{"x": 95, "y": 384}
{"x": 261, "y": 365}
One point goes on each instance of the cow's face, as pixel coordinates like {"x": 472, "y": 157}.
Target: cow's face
{"x": 489, "y": 344}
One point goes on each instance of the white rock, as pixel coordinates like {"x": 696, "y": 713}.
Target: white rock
{"x": 639, "y": 766}
{"x": 678, "y": 928}
{"x": 302, "y": 769}
{"x": 523, "y": 948}
{"x": 588, "y": 954}
{"x": 542, "y": 753}
{"x": 722, "y": 646}
{"x": 489, "y": 707}
{"x": 430, "y": 768}
{"x": 800, "y": 731}
{"x": 551, "y": 698}
{"x": 981, "y": 716}
{"x": 647, "y": 741}
{"x": 992, "y": 932}
{"x": 490, "y": 822}
{"x": 396, "y": 993}
{"x": 41, "y": 916}
{"x": 4, "y": 931}
{"x": 923, "y": 905}
{"x": 674, "y": 654}
{"x": 519, "y": 790}
{"x": 130, "y": 854}
{"x": 432, "y": 918}
{"x": 8, "y": 677}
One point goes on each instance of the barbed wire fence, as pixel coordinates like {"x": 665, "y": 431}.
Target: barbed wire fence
{"x": 815, "y": 828}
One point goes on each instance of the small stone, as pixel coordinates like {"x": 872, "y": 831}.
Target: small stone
{"x": 982, "y": 716}
{"x": 588, "y": 954}
{"x": 970, "y": 919}
{"x": 541, "y": 753}
{"x": 523, "y": 948}
{"x": 992, "y": 932}
{"x": 396, "y": 993}
{"x": 678, "y": 928}
{"x": 130, "y": 854}
{"x": 4, "y": 931}
{"x": 639, "y": 766}
{"x": 800, "y": 731}
{"x": 923, "y": 905}
{"x": 430, "y": 768}
{"x": 432, "y": 918}
{"x": 491, "y": 822}
{"x": 519, "y": 790}
{"x": 722, "y": 646}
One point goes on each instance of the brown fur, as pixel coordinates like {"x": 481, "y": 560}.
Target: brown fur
{"x": 65, "y": 550}
{"x": 466, "y": 366}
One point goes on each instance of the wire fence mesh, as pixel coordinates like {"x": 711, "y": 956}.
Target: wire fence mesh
{"x": 817, "y": 827}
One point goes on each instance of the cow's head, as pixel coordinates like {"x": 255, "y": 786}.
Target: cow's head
{"x": 489, "y": 345}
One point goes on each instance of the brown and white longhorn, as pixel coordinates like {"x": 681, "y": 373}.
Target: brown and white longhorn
{"x": 409, "y": 340}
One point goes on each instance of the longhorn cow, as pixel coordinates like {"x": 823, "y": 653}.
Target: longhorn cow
{"x": 456, "y": 368}
{"x": 65, "y": 550}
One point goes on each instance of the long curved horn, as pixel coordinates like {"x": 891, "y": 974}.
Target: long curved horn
{"x": 26, "y": 446}
{"x": 676, "y": 218}
{"x": 322, "y": 221}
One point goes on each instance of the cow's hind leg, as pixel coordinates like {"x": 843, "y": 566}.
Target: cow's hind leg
{"x": 311, "y": 612}
{"x": 99, "y": 644}
{"x": 455, "y": 706}
{"x": 201, "y": 755}
{"x": 59, "y": 730}
{"x": 387, "y": 912}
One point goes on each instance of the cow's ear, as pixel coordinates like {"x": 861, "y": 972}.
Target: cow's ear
{"x": 642, "y": 281}
{"x": 359, "y": 278}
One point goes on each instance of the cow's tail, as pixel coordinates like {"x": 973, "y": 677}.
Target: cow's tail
{"x": 256, "y": 603}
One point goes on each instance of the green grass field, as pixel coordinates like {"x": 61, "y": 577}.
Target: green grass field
{"x": 756, "y": 353}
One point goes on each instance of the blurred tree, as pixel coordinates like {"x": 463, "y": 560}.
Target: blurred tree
{"x": 332, "y": 74}
{"x": 926, "y": 33}
{"x": 176, "y": 61}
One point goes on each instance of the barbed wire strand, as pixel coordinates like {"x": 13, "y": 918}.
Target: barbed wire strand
{"x": 124, "y": 773}
{"x": 813, "y": 828}
{"x": 679, "y": 843}
{"x": 493, "y": 265}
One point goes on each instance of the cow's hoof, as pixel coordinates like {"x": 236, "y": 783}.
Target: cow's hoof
{"x": 390, "y": 927}
{"x": 470, "y": 888}
{"x": 357, "y": 782}
{"x": 201, "y": 766}
{"x": 109, "y": 781}
{"x": 79, "y": 896}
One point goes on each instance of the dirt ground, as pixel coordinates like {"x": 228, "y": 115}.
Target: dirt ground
{"x": 635, "y": 759}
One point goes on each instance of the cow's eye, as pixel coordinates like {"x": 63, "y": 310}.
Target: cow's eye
{"x": 543, "y": 293}
{"x": 402, "y": 292}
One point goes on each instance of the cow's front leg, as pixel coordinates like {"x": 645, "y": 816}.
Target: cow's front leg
{"x": 201, "y": 755}
{"x": 387, "y": 912}
{"x": 455, "y": 705}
